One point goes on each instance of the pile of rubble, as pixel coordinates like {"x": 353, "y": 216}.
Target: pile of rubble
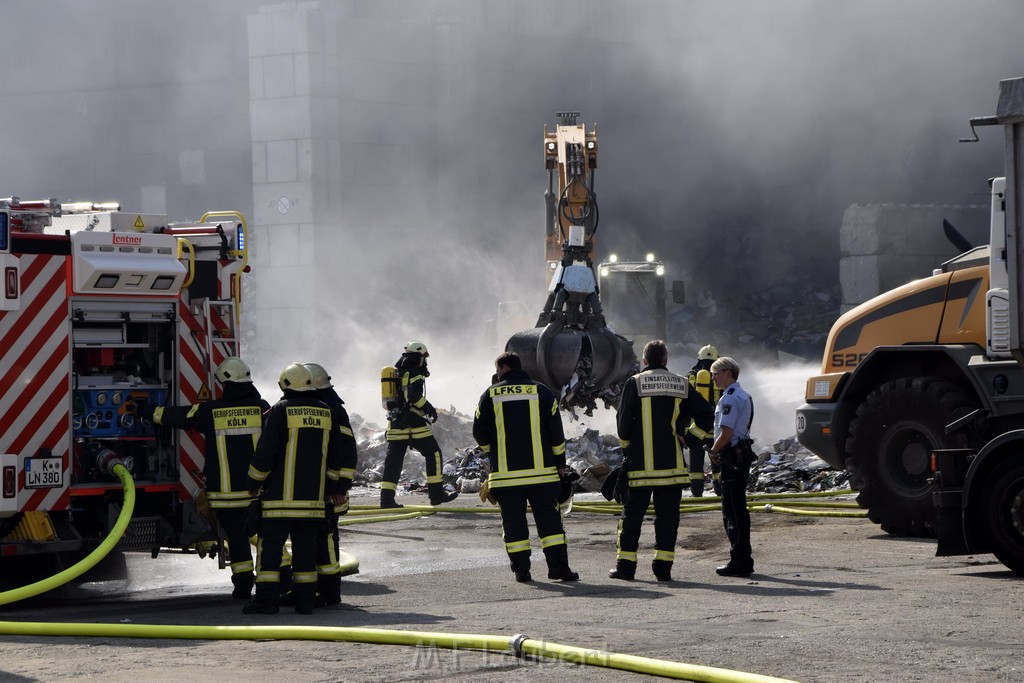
{"x": 792, "y": 316}
{"x": 782, "y": 467}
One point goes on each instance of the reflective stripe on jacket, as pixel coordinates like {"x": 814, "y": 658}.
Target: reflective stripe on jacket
{"x": 517, "y": 424}
{"x": 298, "y": 459}
{"x": 655, "y": 410}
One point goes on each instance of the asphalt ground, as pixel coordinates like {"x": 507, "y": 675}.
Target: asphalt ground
{"x": 832, "y": 599}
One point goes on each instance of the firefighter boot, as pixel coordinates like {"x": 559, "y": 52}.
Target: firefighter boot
{"x": 558, "y": 564}
{"x": 243, "y": 583}
{"x": 624, "y": 570}
{"x": 266, "y": 601}
{"x": 662, "y": 570}
{"x": 437, "y": 494}
{"x": 328, "y": 590}
{"x": 387, "y": 499}
{"x": 520, "y": 564}
{"x": 257, "y": 607}
{"x": 305, "y": 597}
{"x": 697, "y": 488}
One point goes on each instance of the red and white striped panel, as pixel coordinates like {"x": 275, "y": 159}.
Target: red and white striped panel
{"x": 193, "y": 373}
{"x": 35, "y": 374}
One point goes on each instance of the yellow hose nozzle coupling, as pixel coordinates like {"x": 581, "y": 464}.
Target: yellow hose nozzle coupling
{"x": 107, "y": 459}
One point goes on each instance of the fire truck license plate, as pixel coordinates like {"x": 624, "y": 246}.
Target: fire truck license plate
{"x": 44, "y": 473}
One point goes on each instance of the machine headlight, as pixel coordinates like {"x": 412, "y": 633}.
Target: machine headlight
{"x": 659, "y": 270}
{"x": 650, "y": 258}
{"x": 604, "y": 272}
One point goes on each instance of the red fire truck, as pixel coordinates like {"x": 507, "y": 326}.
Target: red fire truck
{"x": 102, "y": 311}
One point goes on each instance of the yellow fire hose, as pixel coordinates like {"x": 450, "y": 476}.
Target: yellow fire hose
{"x": 519, "y": 644}
{"x": 92, "y": 558}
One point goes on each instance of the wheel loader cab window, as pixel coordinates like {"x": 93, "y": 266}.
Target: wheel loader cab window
{"x": 163, "y": 282}
{"x": 106, "y": 281}
{"x": 5, "y": 232}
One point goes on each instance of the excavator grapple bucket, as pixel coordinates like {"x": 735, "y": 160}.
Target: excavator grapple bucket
{"x": 579, "y": 365}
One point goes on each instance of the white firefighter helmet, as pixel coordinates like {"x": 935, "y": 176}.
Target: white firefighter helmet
{"x": 296, "y": 377}
{"x": 233, "y": 369}
{"x": 321, "y": 380}
{"x": 708, "y": 352}
{"x": 416, "y": 347}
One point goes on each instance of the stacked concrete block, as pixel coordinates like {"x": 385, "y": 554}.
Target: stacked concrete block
{"x": 883, "y": 246}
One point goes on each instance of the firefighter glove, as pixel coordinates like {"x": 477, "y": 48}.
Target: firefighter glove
{"x": 430, "y": 412}
{"x": 566, "y": 481}
{"x": 622, "y": 487}
{"x": 145, "y": 410}
{"x": 485, "y": 494}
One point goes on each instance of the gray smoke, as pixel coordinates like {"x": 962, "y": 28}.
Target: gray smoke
{"x": 732, "y": 137}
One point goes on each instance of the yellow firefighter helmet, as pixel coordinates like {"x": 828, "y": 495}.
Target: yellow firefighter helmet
{"x": 321, "y": 380}
{"x": 233, "y": 369}
{"x": 416, "y": 347}
{"x": 708, "y": 352}
{"x": 295, "y": 377}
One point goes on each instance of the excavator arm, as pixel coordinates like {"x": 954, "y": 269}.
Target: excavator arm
{"x": 572, "y": 349}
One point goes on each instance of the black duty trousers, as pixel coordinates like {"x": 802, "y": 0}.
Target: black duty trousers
{"x": 666, "y": 520}
{"x": 543, "y": 499}
{"x": 273, "y": 534}
{"x": 735, "y": 515}
{"x": 232, "y": 523}
{"x": 395, "y": 458}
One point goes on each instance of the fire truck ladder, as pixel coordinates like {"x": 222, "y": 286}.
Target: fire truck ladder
{"x": 224, "y": 331}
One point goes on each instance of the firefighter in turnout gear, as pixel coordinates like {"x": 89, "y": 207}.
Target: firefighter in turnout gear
{"x": 654, "y": 412}
{"x": 517, "y": 424}
{"x": 696, "y": 438}
{"x": 328, "y": 569}
{"x": 409, "y": 423}
{"x": 231, "y": 426}
{"x": 295, "y": 470}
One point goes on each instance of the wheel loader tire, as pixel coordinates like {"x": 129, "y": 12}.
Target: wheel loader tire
{"x": 888, "y": 450}
{"x": 1003, "y": 500}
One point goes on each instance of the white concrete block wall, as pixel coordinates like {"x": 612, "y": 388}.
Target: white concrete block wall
{"x": 883, "y": 246}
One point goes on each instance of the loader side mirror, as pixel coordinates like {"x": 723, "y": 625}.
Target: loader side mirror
{"x": 678, "y": 295}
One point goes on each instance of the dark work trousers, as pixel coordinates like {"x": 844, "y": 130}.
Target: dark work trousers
{"x": 273, "y": 534}
{"x": 232, "y": 523}
{"x": 666, "y": 520}
{"x": 735, "y": 514}
{"x": 328, "y": 570}
{"x": 395, "y": 458}
{"x": 543, "y": 499}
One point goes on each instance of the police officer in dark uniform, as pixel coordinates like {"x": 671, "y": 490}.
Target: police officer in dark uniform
{"x": 297, "y": 465}
{"x": 732, "y": 450}
{"x": 231, "y": 426}
{"x": 654, "y": 412}
{"x": 409, "y": 427}
{"x": 517, "y": 424}
{"x": 696, "y": 438}
{"x": 328, "y": 568}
